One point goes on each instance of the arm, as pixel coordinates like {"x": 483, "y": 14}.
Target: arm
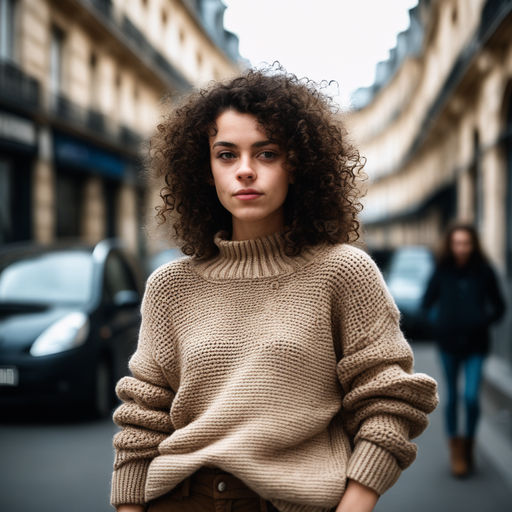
{"x": 144, "y": 413}
{"x": 432, "y": 291}
{"x": 384, "y": 404}
{"x": 357, "y": 498}
{"x": 130, "y": 508}
{"x": 495, "y": 296}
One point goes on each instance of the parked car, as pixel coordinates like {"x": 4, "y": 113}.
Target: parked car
{"x": 382, "y": 258}
{"x": 407, "y": 277}
{"x": 69, "y": 320}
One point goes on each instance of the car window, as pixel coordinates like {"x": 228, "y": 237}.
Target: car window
{"x": 118, "y": 276}
{"x": 411, "y": 264}
{"x": 57, "y": 277}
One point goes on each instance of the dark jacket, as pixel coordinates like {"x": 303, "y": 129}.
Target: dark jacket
{"x": 461, "y": 303}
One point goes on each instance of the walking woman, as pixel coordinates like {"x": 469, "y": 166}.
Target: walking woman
{"x": 464, "y": 294}
{"x": 271, "y": 372}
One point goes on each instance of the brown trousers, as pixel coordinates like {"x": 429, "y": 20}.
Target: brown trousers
{"x": 211, "y": 490}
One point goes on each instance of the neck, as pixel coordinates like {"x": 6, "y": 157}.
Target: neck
{"x": 253, "y": 258}
{"x": 247, "y": 230}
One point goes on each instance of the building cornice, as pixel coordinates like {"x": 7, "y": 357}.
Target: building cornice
{"x": 129, "y": 40}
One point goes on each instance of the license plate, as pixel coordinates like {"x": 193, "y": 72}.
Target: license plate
{"x": 9, "y": 376}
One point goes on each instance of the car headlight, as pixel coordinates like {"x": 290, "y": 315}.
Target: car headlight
{"x": 69, "y": 332}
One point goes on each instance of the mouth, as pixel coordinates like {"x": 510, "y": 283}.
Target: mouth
{"x": 248, "y": 194}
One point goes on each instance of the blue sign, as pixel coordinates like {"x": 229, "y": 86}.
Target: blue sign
{"x": 76, "y": 153}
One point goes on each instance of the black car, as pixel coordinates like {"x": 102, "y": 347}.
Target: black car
{"x": 69, "y": 320}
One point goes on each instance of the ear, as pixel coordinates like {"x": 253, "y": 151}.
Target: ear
{"x": 291, "y": 177}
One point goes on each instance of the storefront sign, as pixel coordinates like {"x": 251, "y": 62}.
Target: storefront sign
{"x": 72, "y": 152}
{"x": 17, "y": 129}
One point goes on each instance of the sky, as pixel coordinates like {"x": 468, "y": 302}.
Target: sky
{"x": 338, "y": 40}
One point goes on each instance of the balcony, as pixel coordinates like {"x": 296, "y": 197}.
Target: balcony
{"x": 93, "y": 123}
{"x": 18, "y": 89}
{"x": 104, "y": 6}
{"x": 119, "y": 26}
{"x": 151, "y": 54}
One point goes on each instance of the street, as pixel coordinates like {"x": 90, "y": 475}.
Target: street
{"x": 65, "y": 466}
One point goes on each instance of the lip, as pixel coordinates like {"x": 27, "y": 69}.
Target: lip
{"x": 247, "y": 194}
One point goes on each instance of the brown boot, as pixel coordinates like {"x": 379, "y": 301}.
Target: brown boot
{"x": 458, "y": 457}
{"x": 469, "y": 448}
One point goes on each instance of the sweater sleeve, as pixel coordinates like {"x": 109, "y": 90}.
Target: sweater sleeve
{"x": 144, "y": 412}
{"x": 385, "y": 404}
{"x": 495, "y": 296}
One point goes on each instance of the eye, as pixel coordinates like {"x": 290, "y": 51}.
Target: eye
{"x": 226, "y": 155}
{"x": 268, "y": 155}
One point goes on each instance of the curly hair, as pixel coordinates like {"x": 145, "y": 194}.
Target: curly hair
{"x": 322, "y": 203}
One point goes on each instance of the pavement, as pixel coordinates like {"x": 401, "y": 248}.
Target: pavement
{"x": 427, "y": 485}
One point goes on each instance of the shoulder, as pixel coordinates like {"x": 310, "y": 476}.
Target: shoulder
{"x": 167, "y": 277}
{"x": 358, "y": 279}
{"x": 351, "y": 264}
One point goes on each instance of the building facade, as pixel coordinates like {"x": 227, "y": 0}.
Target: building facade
{"x": 81, "y": 86}
{"x": 436, "y": 128}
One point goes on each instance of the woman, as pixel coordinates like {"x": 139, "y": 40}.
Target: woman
{"x": 236, "y": 386}
{"x": 464, "y": 294}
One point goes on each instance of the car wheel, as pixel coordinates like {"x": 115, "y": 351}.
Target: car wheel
{"x": 102, "y": 399}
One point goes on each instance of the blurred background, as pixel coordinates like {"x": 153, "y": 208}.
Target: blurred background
{"x": 82, "y": 84}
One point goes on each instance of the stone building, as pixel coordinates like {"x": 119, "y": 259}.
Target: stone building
{"x": 436, "y": 128}
{"x": 81, "y": 84}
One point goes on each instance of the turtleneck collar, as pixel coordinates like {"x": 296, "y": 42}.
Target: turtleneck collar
{"x": 248, "y": 259}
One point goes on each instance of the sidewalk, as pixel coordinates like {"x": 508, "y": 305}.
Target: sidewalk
{"x": 427, "y": 486}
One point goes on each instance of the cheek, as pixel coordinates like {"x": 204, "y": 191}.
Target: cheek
{"x": 218, "y": 177}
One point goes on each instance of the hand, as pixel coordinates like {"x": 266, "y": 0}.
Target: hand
{"x": 130, "y": 508}
{"x": 357, "y": 498}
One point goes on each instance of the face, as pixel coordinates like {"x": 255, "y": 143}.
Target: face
{"x": 249, "y": 175}
{"x": 461, "y": 245}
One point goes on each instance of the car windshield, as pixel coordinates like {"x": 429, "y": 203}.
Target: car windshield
{"x": 413, "y": 265}
{"x": 57, "y": 277}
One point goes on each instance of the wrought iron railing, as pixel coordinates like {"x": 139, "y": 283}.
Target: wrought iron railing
{"x": 17, "y": 88}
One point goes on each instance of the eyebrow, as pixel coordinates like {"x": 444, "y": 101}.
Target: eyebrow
{"x": 258, "y": 144}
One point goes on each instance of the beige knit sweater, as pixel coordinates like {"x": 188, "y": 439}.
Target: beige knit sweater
{"x": 235, "y": 368}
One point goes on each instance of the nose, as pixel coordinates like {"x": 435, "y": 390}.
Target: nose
{"x": 245, "y": 170}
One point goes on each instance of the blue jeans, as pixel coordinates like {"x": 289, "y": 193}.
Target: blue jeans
{"x": 452, "y": 364}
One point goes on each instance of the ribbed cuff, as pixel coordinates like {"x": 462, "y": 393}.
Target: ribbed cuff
{"x": 373, "y": 466}
{"x": 128, "y": 483}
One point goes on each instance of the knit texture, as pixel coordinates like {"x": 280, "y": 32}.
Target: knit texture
{"x": 235, "y": 368}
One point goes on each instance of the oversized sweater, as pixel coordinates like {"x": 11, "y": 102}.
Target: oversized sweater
{"x": 236, "y": 368}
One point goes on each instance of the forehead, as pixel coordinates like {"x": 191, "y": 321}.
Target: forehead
{"x": 461, "y": 235}
{"x": 232, "y": 125}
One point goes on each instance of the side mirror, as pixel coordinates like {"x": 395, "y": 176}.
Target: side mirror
{"x": 126, "y": 299}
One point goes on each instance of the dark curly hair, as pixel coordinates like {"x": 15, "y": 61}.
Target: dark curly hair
{"x": 322, "y": 203}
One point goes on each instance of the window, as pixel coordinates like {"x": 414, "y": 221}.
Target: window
{"x": 7, "y": 29}
{"x": 94, "y": 82}
{"x": 56, "y": 45}
{"x": 55, "y": 277}
{"x": 15, "y": 210}
{"x": 5, "y": 202}
{"x": 111, "y": 192}
{"x": 118, "y": 277}
{"x": 455, "y": 14}
{"x": 508, "y": 152}
{"x": 476, "y": 183}
{"x": 69, "y": 204}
